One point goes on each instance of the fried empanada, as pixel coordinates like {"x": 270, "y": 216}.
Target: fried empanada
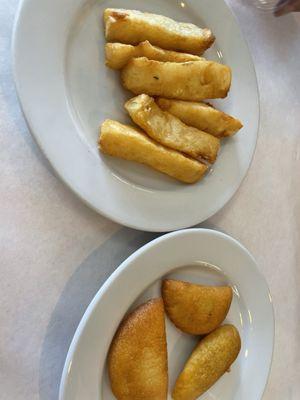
{"x": 191, "y": 80}
{"x": 202, "y": 116}
{"x": 137, "y": 359}
{"x": 211, "y": 358}
{"x": 168, "y": 130}
{"x": 133, "y": 27}
{"x": 129, "y": 143}
{"x": 117, "y": 55}
{"x": 196, "y": 309}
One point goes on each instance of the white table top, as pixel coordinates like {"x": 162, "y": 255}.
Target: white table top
{"x": 56, "y": 253}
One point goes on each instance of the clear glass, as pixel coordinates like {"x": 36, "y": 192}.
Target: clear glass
{"x": 265, "y": 5}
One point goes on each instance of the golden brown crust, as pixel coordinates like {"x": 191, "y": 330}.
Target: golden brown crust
{"x": 196, "y": 309}
{"x": 129, "y": 143}
{"x": 202, "y": 116}
{"x": 118, "y": 54}
{"x": 133, "y": 27}
{"x": 211, "y": 358}
{"x": 137, "y": 359}
{"x": 192, "y": 80}
{"x": 168, "y": 130}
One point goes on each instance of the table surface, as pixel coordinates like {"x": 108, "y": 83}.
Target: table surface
{"x": 56, "y": 252}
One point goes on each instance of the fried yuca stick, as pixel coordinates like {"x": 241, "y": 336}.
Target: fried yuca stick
{"x": 202, "y": 116}
{"x": 133, "y": 27}
{"x": 126, "y": 142}
{"x": 168, "y": 130}
{"x": 192, "y": 80}
{"x": 118, "y": 54}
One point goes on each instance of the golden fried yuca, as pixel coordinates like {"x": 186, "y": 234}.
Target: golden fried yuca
{"x": 118, "y": 54}
{"x": 133, "y": 27}
{"x": 137, "y": 359}
{"x": 202, "y": 116}
{"x": 195, "y": 309}
{"x": 211, "y": 358}
{"x": 191, "y": 80}
{"x": 168, "y": 130}
{"x": 132, "y": 144}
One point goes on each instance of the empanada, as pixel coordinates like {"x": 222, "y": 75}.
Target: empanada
{"x": 196, "y": 309}
{"x": 137, "y": 359}
{"x": 211, "y": 358}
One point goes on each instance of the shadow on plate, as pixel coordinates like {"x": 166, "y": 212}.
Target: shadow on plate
{"x": 75, "y": 298}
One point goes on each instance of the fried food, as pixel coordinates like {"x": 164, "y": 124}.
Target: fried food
{"x": 211, "y": 358}
{"x": 133, "y": 27}
{"x": 132, "y": 144}
{"x": 137, "y": 359}
{"x": 118, "y": 54}
{"x": 196, "y": 309}
{"x": 191, "y": 80}
{"x": 168, "y": 130}
{"x": 202, "y": 116}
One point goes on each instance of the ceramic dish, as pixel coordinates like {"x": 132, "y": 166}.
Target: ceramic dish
{"x": 66, "y": 92}
{"x": 195, "y": 255}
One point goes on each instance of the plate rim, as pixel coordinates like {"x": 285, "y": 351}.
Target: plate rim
{"x": 124, "y": 219}
{"x": 106, "y": 285}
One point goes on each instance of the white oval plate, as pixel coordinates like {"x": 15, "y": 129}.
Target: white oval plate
{"x": 66, "y": 93}
{"x": 195, "y": 255}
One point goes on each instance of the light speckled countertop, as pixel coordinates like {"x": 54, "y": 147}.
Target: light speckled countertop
{"x": 56, "y": 253}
